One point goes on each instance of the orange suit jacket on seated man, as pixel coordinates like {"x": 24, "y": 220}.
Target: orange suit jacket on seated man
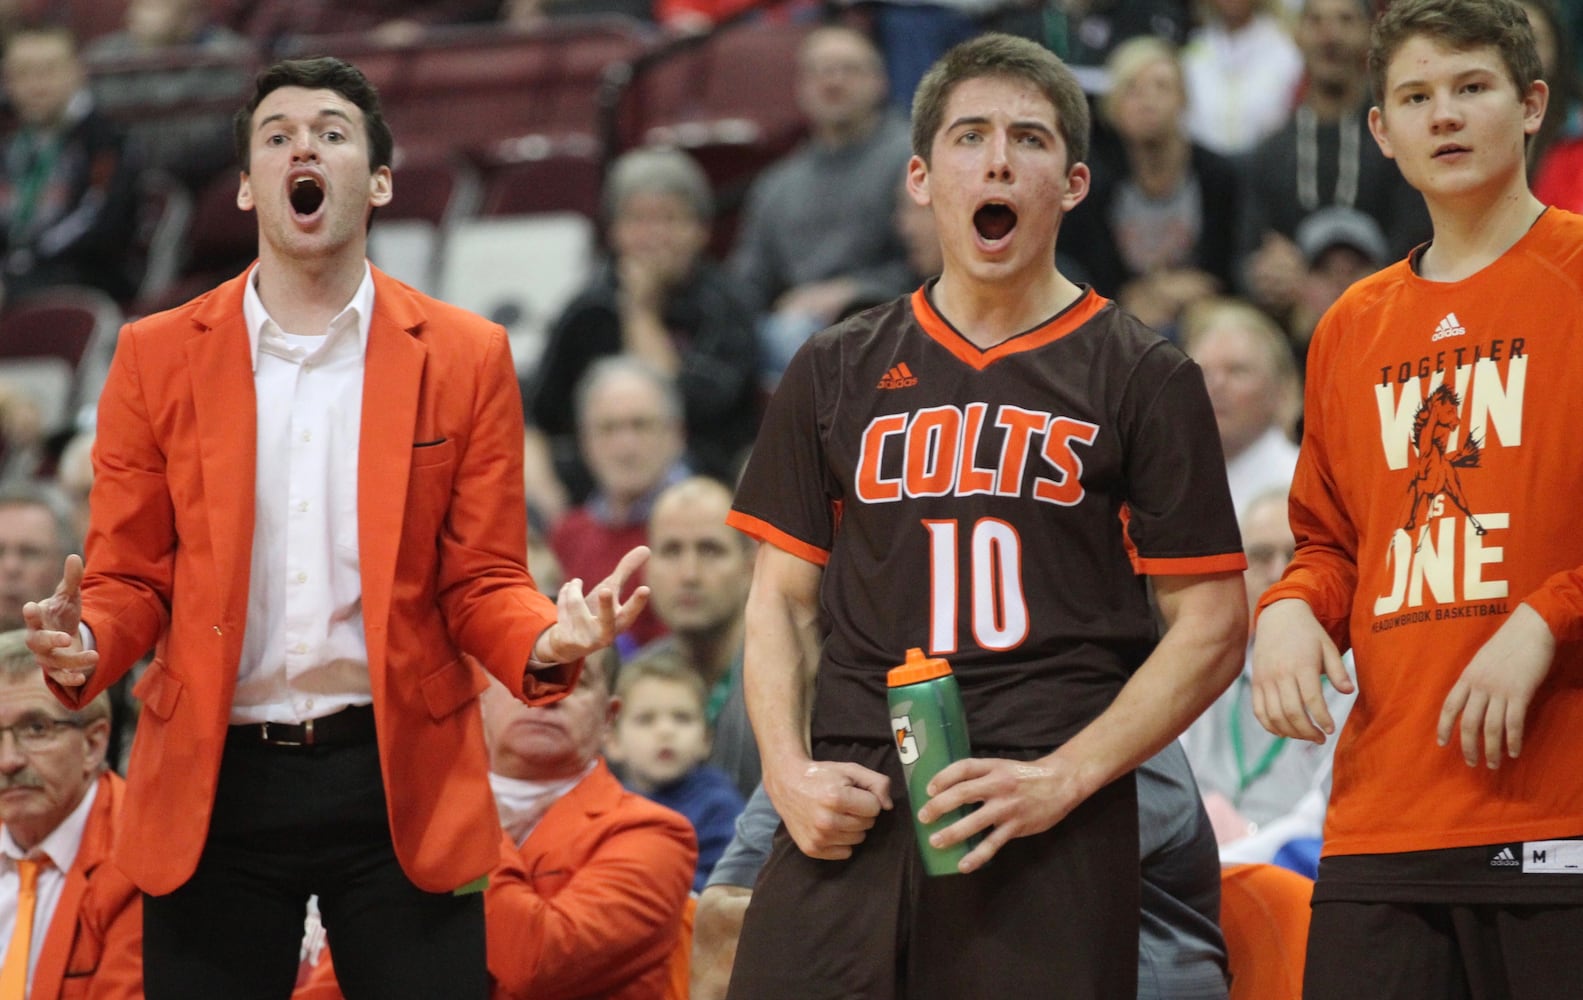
{"x": 442, "y": 537}
{"x": 592, "y": 903}
{"x": 591, "y": 906}
{"x": 93, "y": 946}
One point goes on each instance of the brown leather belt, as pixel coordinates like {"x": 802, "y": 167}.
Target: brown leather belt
{"x": 347, "y": 727}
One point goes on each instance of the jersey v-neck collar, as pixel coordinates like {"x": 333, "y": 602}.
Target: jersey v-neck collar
{"x": 1084, "y": 308}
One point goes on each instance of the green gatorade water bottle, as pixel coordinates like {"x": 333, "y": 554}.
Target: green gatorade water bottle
{"x": 930, "y": 729}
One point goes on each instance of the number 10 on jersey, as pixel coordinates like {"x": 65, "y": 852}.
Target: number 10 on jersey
{"x": 991, "y": 593}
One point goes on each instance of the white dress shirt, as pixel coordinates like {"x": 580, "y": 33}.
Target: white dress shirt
{"x": 303, "y": 652}
{"x": 1265, "y": 465}
{"x": 60, "y": 847}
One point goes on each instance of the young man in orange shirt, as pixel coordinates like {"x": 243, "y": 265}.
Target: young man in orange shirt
{"x": 1435, "y": 515}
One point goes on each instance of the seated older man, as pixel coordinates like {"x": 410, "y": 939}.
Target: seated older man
{"x": 591, "y": 891}
{"x": 67, "y": 915}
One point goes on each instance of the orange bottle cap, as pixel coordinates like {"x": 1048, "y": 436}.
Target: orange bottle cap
{"x": 918, "y": 668}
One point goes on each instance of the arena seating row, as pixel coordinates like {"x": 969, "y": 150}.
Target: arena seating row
{"x": 502, "y": 141}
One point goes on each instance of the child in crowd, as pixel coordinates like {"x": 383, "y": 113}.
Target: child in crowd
{"x": 662, "y": 742}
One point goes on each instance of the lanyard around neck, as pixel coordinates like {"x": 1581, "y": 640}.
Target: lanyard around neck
{"x": 1346, "y": 191}
{"x": 1261, "y": 767}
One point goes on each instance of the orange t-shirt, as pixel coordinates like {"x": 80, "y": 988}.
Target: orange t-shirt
{"x": 1440, "y": 485}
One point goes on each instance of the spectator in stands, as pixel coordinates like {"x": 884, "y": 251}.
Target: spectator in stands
{"x": 74, "y": 475}
{"x": 35, "y": 536}
{"x": 1322, "y": 156}
{"x": 1252, "y": 380}
{"x": 1181, "y": 955}
{"x": 22, "y": 437}
{"x": 813, "y": 236}
{"x": 1262, "y": 792}
{"x": 698, "y": 575}
{"x": 661, "y": 744}
{"x": 629, "y": 424}
{"x": 71, "y": 924}
{"x": 1339, "y": 246}
{"x": 1555, "y": 154}
{"x": 588, "y": 898}
{"x": 1242, "y": 70}
{"x": 193, "y": 146}
{"x": 67, "y": 204}
{"x": 39, "y": 526}
{"x": 1156, "y": 231}
{"x": 659, "y": 298}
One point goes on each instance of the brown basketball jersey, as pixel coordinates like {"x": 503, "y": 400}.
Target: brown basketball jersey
{"x": 994, "y": 507}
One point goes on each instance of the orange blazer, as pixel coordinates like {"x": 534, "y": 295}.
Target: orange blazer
{"x": 443, "y": 540}
{"x": 94, "y": 945}
{"x": 593, "y": 905}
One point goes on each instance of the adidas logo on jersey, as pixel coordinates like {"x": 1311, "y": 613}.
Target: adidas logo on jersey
{"x": 1449, "y": 327}
{"x": 1504, "y": 858}
{"x": 899, "y": 377}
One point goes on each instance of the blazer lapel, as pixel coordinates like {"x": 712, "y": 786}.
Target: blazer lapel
{"x": 61, "y": 935}
{"x": 227, "y": 416}
{"x": 392, "y": 381}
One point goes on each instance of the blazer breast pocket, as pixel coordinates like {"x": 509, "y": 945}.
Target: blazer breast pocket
{"x": 434, "y": 453}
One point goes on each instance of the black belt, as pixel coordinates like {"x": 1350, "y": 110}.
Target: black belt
{"x": 347, "y": 727}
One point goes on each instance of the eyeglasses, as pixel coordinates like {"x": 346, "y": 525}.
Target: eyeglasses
{"x": 39, "y": 732}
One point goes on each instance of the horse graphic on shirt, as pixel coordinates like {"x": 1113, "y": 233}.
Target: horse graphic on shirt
{"x": 1435, "y": 470}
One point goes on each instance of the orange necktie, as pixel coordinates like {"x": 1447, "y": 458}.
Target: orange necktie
{"x": 13, "y": 974}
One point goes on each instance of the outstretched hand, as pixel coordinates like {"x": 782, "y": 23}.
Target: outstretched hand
{"x": 52, "y": 630}
{"x": 588, "y": 623}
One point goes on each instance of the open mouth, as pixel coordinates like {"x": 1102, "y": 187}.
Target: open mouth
{"x": 994, "y": 221}
{"x": 306, "y": 196}
{"x": 1449, "y": 150}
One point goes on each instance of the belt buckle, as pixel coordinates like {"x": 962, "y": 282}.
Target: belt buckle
{"x": 307, "y": 741}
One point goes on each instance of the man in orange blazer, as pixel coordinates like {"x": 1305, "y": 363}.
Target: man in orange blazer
{"x": 79, "y": 931}
{"x": 589, "y": 897}
{"x": 308, "y": 499}
{"x": 589, "y": 900}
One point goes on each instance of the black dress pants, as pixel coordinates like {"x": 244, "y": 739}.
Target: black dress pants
{"x": 290, "y": 822}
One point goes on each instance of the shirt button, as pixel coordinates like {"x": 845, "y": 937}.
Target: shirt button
{"x": 303, "y": 506}
{"x": 300, "y": 647}
{"x": 302, "y": 578}
{"x": 307, "y": 704}
{"x": 307, "y": 435}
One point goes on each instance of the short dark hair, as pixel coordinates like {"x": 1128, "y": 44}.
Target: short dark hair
{"x": 319, "y": 73}
{"x": 1460, "y": 25}
{"x": 1011, "y": 58}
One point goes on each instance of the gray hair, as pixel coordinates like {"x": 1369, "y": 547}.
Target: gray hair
{"x": 658, "y": 170}
{"x": 27, "y": 494}
{"x": 17, "y": 665}
{"x": 617, "y": 366}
